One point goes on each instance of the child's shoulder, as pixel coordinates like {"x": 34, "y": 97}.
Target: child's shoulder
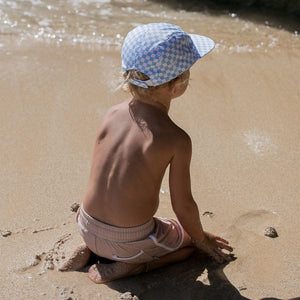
{"x": 182, "y": 136}
{"x": 114, "y": 110}
{"x": 176, "y": 136}
{"x": 117, "y": 107}
{"x": 178, "y": 131}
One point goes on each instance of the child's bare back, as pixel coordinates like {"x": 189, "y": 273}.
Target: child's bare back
{"x": 134, "y": 146}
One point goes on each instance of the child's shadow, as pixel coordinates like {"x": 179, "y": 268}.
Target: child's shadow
{"x": 197, "y": 278}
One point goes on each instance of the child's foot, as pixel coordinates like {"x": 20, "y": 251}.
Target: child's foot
{"x": 77, "y": 260}
{"x": 101, "y": 273}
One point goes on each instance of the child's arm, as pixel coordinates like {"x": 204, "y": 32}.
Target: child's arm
{"x": 186, "y": 208}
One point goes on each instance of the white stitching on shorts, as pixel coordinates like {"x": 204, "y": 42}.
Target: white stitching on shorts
{"x": 153, "y": 238}
{"x": 128, "y": 258}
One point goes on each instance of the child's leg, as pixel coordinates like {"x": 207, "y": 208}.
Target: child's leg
{"x": 77, "y": 260}
{"x": 101, "y": 273}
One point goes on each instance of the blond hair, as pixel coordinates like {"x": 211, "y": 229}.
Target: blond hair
{"x": 127, "y": 86}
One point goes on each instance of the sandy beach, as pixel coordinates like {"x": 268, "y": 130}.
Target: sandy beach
{"x": 242, "y": 112}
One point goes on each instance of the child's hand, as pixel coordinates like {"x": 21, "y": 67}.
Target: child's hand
{"x": 213, "y": 246}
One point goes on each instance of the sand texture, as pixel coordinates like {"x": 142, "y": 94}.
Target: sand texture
{"x": 242, "y": 111}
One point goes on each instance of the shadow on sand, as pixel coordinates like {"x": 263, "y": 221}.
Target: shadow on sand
{"x": 196, "y": 278}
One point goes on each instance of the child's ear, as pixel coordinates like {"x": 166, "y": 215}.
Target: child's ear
{"x": 177, "y": 86}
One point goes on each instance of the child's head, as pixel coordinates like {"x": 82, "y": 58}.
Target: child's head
{"x": 156, "y": 54}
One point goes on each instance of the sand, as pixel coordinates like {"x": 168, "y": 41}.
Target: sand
{"x": 241, "y": 110}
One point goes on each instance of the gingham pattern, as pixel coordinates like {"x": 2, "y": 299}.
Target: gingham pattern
{"x": 162, "y": 51}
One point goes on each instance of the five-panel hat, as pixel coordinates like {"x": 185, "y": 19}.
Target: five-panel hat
{"x": 162, "y": 51}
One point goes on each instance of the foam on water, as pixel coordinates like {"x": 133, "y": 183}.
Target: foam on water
{"x": 70, "y": 21}
{"x": 106, "y": 22}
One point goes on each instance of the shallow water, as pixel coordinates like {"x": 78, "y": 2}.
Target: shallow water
{"x": 106, "y": 22}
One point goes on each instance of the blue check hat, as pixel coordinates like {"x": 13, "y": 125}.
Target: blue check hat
{"x": 162, "y": 51}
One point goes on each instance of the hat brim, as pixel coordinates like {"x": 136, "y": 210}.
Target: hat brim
{"x": 202, "y": 43}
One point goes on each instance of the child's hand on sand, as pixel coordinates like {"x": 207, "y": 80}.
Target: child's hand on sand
{"x": 213, "y": 245}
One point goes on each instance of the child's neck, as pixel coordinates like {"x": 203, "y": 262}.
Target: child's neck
{"x": 163, "y": 106}
{"x": 161, "y": 100}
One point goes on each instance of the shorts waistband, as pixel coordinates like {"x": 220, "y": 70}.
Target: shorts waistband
{"x": 114, "y": 233}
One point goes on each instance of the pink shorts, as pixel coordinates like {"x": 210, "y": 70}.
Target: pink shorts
{"x": 139, "y": 244}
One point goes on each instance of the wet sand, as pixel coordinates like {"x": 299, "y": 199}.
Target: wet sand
{"x": 242, "y": 112}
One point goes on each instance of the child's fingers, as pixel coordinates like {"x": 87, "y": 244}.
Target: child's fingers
{"x": 222, "y": 240}
{"x": 226, "y": 247}
{"x": 223, "y": 244}
{"x": 224, "y": 256}
{"x": 210, "y": 251}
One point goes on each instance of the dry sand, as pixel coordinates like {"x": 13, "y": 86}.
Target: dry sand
{"x": 242, "y": 111}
